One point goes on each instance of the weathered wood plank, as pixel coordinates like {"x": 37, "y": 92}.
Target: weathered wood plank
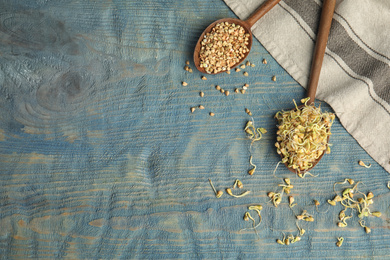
{"x": 101, "y": 158}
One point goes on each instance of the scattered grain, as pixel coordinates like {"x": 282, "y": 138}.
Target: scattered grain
{"x": 212, "y": 114}
{"x": 184, "y": 83}
{"x": 246, "y": 74}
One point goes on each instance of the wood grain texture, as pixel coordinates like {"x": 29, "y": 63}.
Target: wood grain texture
{"x": 101, "y": 158}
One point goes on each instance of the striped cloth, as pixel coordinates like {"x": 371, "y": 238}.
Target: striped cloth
{"x": 355, "y": 77}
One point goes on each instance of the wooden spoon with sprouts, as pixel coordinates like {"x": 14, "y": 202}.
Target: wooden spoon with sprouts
{"x": 303, "y": 132}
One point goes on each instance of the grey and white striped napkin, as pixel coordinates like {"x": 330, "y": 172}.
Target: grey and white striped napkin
{"x": 355, "y": 77}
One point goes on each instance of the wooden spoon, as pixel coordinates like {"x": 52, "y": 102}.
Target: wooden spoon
{"x": 247, "y": 25}
{"x": 318, "y": 56}
{"x": 328, "y": 7}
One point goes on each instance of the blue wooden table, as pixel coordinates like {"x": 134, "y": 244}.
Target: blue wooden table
{"x": 101, "y": 157}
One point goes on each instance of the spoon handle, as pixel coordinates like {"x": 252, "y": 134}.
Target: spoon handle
{"x": 328, "y": 7}
{"x": 260, "y": 12}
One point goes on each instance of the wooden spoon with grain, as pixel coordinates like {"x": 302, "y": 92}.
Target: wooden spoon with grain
{"x": 247, "y": 25}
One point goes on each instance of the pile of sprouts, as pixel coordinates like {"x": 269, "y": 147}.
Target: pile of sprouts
{"x": 302, "y": 135}
{"x": 351, "y": 198}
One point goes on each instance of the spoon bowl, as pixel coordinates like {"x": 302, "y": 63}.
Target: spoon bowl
{"x": 314, "y": 163}
{"x": 247, "y": 25}
{"x": 198, "y": 46}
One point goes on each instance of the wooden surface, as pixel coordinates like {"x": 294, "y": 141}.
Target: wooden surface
{"x": 101, "y": 158}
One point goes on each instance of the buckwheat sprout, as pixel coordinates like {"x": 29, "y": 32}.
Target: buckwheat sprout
{"x": 295, "y": 239}
{"x": 282, "y": 242}
{"x": 305, "y": 216}
{"x": 219, "y": 193}
{"x": 305, "y": 100}
{"x": 364, "y": 195}
{"x": 365, "y": 212}
{"x": 345, "y": 219}
{"x": 291, "y": 239}
{"x": 349, "y": 206}
{"x": 355, "y": 187}
{"x": 301, "y": 230}
{"x": 259, "y": 136}
{"x": 277, "y": 199}
{"x": 238, "y": 184}
{"x": 291, "y": 203}
{"x": 361, "y": 163}
{"x": 273, "y": 173}
{"x": 340, "y": 241}
{"x": 229, "y": 191}
{"x": 316, "y": 204}
{"x": 302, "y": 175}
{"x": 248, "y": 129}
{"x": 256, "y": 208}
{"x": 255, "y": 134}
{"x": 347, "y": 180}
{"x": 248, "y": 216}
{"x": 286, "y": 187}
{"x": 251, "y": 171}
{"x": 252, "y": 228}
{"x": 363, "y": 225}
{"x": 295, "y": 103}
